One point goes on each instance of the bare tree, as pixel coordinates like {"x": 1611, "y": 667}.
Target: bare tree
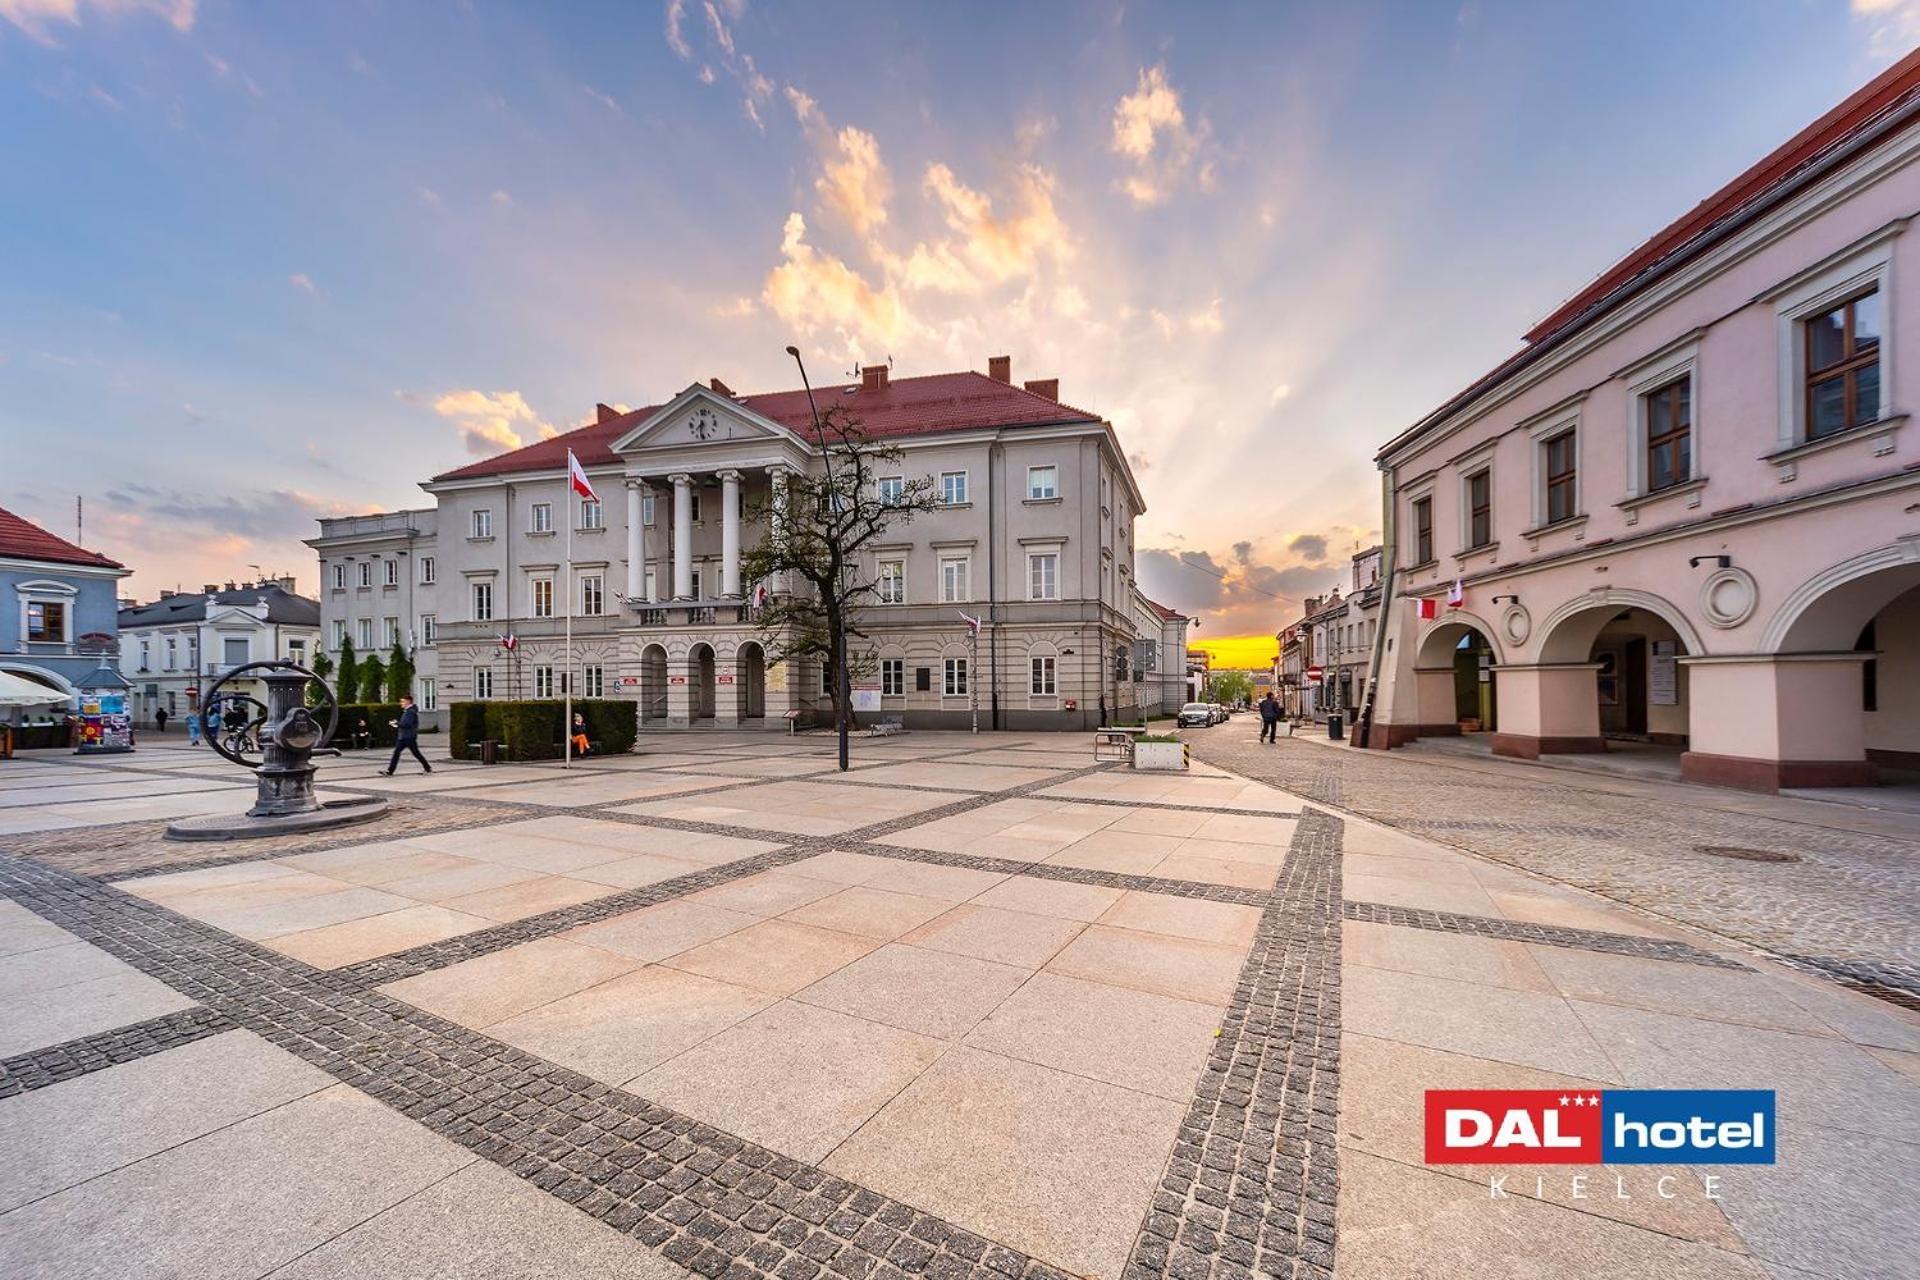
{"x": 815, "y": 534}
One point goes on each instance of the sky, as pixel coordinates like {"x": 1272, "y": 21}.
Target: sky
{"x": 265, "y": 263}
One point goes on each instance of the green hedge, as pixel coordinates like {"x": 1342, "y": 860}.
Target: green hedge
{"x": 27, "y": 737}
{"x": 530, "y": 730}
{"x": 377, "y": 715}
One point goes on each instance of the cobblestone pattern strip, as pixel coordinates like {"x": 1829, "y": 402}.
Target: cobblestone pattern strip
{"x": 36, "y": 1070}
{"x": 711, "y": 1202}
{"x": 1073, "y": 875}
{"x": 1622, "y": 944}
{"x": 1251, "y": 1186}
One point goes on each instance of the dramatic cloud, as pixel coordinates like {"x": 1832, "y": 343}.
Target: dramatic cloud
{"x": 813, "y": 289}
{"x": 1150, "y": 130}
{"x": 490, "y": 422}
{"x": 1309, "y": 546}
{"x": 35, "y": 17}
{"x": 987, "y": 249}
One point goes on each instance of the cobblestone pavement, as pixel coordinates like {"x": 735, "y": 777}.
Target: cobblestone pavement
{"x": 1849, "y": 903}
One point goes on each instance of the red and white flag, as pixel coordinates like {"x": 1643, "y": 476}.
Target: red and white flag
{"x": 509, "y": 642}
{"x": 577, "y": 477}
{"x": 760, "y": 594}
{"x": 1428, "y": 608}
{"x": 1456, "y": 595}
{"x": 973, "y": 623}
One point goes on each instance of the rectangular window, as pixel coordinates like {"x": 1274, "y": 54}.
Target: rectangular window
{"x": 339, "y": 577}
{"x": 483, "y": 602}
{"x": 648, "y": 582}
{"x": 693, "y": 505}
{"x": 1043, "y": 482}
{"x": 1042, "y": 684}
{"x": 429, "y": 696}
{"x": 543, "y": 682}
{"x": 146, "y": 655}
{"x": 953, "y": 581}
{"x": 592, "y": 595}
{"x": 173, "y": 649}
{"x": 953, "y": 488}
{"x": 428, "y": 624}
{"x": 483, "y": 523}
{"x": 590, "y": 517}
{"x": 393, "y": 632}
{"x": 426, "y": 571}
{"x": 1670, "y": 435}
{"x": 826, "y": 678}
{"x": 893, "y": 582}
{"x": 339, "y": 636}
{"x": 593, "y": 681}
{"x": 542, "y": 597}
{"x": 366, "y": 573}
{"x": 890, "y": 490}
{"x": 1843, "y": 366}
{"x": 46, "y": 621}
{"x": 696, "y": 584}
{"x": 646, "y": 508}
{"x": 540, "y": 518}
{"x": 1479, "y": 509}
{"x": 1043, "y": 576}
{"x": 1560, "y": 477}
{"x": 392, "y": 571}
{"x": 893, "y": 677}
{"x": 363, "y": 635}
{"x": 234, "y": 650}
{"x": 955, "y": 685}
{"x": 483, "y": 682}
{"x": 1422, "y": 530}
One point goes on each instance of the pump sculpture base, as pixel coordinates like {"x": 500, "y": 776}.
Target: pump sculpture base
{"x": 244, "y": 826}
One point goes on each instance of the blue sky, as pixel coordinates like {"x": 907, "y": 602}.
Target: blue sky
{"x": 260, "y": 263}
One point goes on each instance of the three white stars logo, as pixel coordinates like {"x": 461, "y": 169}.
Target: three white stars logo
{"x": 1590, "y": 1100}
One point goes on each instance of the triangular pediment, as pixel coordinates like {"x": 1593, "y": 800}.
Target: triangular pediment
{"x": 700, "y": 416}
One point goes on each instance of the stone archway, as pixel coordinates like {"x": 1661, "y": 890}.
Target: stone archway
{"x": 1454, "y": 661}
{"x": 701, "y": 674}
{"x": 750, "y": 681}
{"x": 1621, "y": 653}
{"x": 653, "y": 683}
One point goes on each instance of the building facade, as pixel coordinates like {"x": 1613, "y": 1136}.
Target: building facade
{"x": 1685, "y": 512}
{"x": 172, "y": 650}
{"x": 1033, "y": 536}
{"x": 1160, "y": 639}
{"x": 380, "y": 586}
{"x": 58, "y": 604}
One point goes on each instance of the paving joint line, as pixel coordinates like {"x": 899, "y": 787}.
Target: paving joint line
{"x": 1625, "y": 944}
{"x": 25, "y": 1072}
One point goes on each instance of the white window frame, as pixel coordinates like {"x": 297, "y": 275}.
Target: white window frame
{"x": 540, "y": 597}
{"x": 429, "y": 694}
{"x": 953, "y": 677}
{"x": 366, "y": 574}
{"x": 363, "y": 635}
{"x": 1043, "y": 675}
{"x": 540, "y": 517}
{"x": 1038, "y": 589}
{"x": 964, "y": 592}
{"x": 339, "y": 634}
{"x": 592, "y": 515}
{"x": 1542, "y": 430}
{"x": 543, "y": 683}
{"x": 483, "y": 682}
{"x": 390, "y": 575}
{"x": 393, "y": 632}
{"x": 426, "y": 571}
{"x": 429, "y": 624}
{"x": 476, "y": 600}
{"x": 948, "y": 488}
{"x": 1681, "y": 360}
{"x": 890, "y": 490}
{"x": 891, "y": 588}
{"x": 1864, "y": 266}
{"x": 1466, "y": 469}
{"x": 480, "y": 523}
{"x": 893, "y": 677}
{"x": 593, "y": 595}
{"x": 1053, "y": 487}
{"x": 646, "y": 507}
{"x": 339, "y": 577}
{"x": 593, "y": 681}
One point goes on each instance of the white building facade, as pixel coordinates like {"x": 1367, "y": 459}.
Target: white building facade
{"x": 380, "y": 586}
{"x": 172, "y": 650}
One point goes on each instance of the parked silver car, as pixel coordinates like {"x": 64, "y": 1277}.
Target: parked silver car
{"x": 1195, "y": 713}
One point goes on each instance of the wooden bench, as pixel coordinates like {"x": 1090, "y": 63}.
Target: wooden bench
{"x": 1116, "y": 742}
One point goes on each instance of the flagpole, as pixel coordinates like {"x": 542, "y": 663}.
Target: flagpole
{"x": 566, "y": 588}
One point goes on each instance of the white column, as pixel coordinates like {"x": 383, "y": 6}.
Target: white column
{"x": 778, "y": 475}
{"x": 730, "y": 533}
{"x": 636, "y": 541}
{"x": 682, "y": 536}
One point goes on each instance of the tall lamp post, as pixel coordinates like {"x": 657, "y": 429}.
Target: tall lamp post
{"x": 842, "y": 684}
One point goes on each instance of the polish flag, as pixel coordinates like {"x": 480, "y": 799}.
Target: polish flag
{"x": 973, "y": 623}
{"x": 1456, "y": 595}
{"x": 1428, "y": 608}
{"x": 509, "y": 642}
{"x": 577, "y": 477}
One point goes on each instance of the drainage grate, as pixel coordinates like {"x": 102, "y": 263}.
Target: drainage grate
{"x": 1745, "y": 855}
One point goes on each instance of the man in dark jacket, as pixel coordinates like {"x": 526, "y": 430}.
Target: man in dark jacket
{"x": 406, "y": 736}
{"x": 1269, "y": 718}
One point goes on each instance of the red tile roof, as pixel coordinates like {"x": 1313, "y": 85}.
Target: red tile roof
{"x": 905, "y": 407}
{"x": 1892, "y": 91}
{"x": 22, "y": 539}
{"x": 1166, "y": 614}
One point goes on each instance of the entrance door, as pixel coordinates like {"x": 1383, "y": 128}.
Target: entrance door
{"x": 1634, "y": 684}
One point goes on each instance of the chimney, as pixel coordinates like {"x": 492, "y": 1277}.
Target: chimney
{"x": 285, "y": 583}
{"x": 210, "y": 588}
{"x": 1000, "y": 368}
{"x": 1048, "y": 387}
{"x": 231, "y": 585}
{"x": 604, "y": 412}
{"x": 873, "y": 377}
{"x": 720, "y": 388}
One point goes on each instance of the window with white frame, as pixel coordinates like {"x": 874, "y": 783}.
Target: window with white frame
{"x": 893, "y": 582}
{"x": 339, "y": 577}
{"x": 1560, "y": 477}
{"x": 146, "y": 655}
{"x": 426, "y": 571}
{"x": 893, "y": 677}
{"x": 428, "y": 625}
{"x": 1835, "y": 371}
{"x": 1043, "y": 483}
{"x": 890, "y": 490}
{"x": 366, "y": 573}
{"x": 542, "y": 589}
{"x": 593, "y": 681}
{"x": 955, "y": 682}
{"x": 48, "y": 621}
{"x": 363, "y": 634}
{"x": 590, "y": 514}
{"x": 646, "y": 507}
{"x": 1663, "y": 436}
{"x": 696, "y": 584}
{"x": 543, "y": 682}
{"x": 482, "y": 523}
{"x": 954, "y": 585}
{"x": 483, "y": 602}
{"x": 393, "y": 632}
{"x": 1043, "y": 575}
{"x": 1476, "y": 503}
{"x": 593, "y": 595}
{"x": 953, "y": 488}
{"x": 648, "y": 581}
{"x": 391, "y": 568}
{"x": 429, "y": 696}
{"x": 1042, "y": 671}
{"x": 339, "y": 634}
{"x": 540, "y": 518}
{"x": 483, "y": 682}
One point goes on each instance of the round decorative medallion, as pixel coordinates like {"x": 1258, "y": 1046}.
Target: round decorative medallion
{"x": 1728, "y": 597}
{"x": 1516, "y": 624}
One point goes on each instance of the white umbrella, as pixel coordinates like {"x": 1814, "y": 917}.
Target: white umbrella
{"x": 16, "y": 691}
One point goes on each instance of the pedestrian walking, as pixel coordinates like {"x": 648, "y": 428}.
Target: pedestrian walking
{"x": 1269, "y": 718}
{"x": 160, "y": 720}
{"x": 406, "y": 736}
{"x": 193, "y": 728}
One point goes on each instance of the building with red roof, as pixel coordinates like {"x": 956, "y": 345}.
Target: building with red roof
{"x": 1683, "y": 515}
{"x": 57, "y": 610}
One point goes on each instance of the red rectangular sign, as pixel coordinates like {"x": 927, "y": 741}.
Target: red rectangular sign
{"x": 1513, "y": 1126}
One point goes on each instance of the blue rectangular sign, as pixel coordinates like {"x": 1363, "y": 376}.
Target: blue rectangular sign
{"x": 1687, "y": 1126}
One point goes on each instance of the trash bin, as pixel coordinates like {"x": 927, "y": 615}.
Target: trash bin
{"x": 489, "y": 751}
{"x": 1333, "y": 726}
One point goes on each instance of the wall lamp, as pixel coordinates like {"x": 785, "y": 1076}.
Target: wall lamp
{"x": 1514, "y": 599}
{"x": 1694, "y": 562}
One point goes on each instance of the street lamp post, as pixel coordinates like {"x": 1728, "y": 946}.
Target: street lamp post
{"x": 843, "y": 686}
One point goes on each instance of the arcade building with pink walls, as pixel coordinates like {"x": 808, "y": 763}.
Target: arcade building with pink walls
{"x": 1686, "y": 514}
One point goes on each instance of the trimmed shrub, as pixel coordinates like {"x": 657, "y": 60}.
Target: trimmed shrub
{"x": 613, "y": 724}
{"x": 531, "y": 729}
{"x": 466, "y": 725}
{"x": 376, "y": 715}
